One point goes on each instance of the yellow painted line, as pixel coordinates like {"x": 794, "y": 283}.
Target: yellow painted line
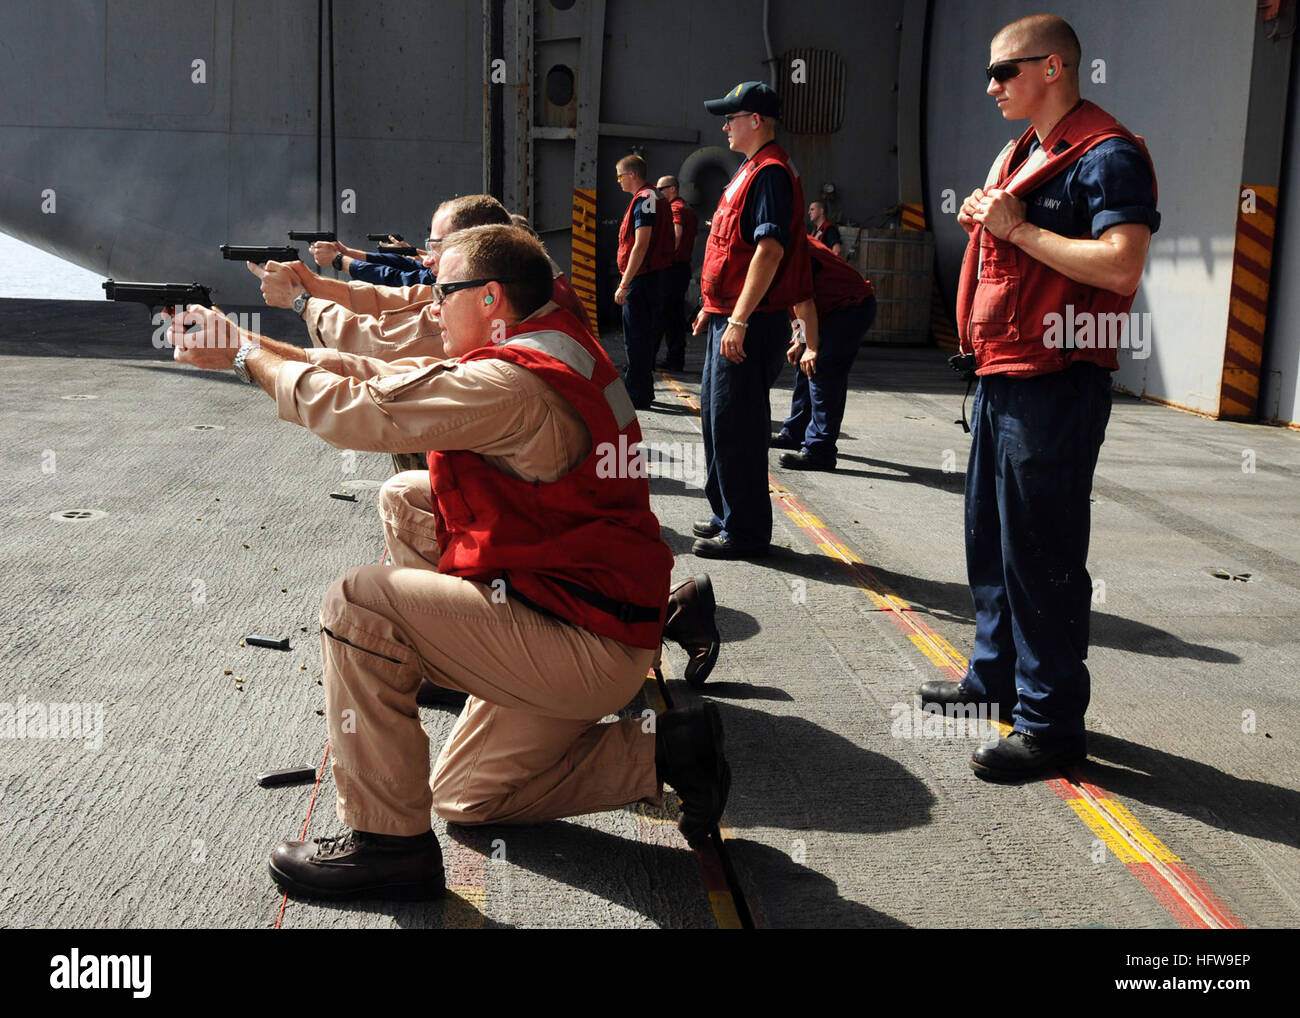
{"x": 938, "y": 650}
{"x": 837, "y": 550}
{"x": 1110, "y": 837}
{"x": 1154, "y": 846}
{"x": 1152, "y": 851}
{"x": 722, "y": 904}
{"x": 885, "y": 602}
{"x": 465, "y": 911}
{"x": 1107, "y": 817}
{"x": 929, "y": 651}
{"x": 724, "y": 910}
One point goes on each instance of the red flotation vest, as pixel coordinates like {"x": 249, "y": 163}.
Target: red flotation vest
{"x": 563, "y": 293}
{"x": 837, "y": 283}
{"x": 586, "y": 547}
{"x": 1004, "y": 295}
{"x": 727, "y": 255}
{"x": 684, "y": 214}
{"x": 663, "y": 239}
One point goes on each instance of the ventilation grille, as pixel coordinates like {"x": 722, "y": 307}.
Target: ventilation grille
{"x": 812, "y": 92}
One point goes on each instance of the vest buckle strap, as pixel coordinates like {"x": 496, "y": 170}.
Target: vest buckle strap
{"x": 626, "y": 612}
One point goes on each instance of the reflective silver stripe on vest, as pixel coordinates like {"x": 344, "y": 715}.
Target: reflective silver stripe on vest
{"x": 563, "y": 348}
{"x": 572, "y": 354}
{"x": 620, "y": 402}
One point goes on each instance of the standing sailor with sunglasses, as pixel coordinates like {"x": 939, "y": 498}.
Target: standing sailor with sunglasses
{"x": 1060, "y": 229}
{"x": 645, "y": 251}
{"x": 756, "y": 268}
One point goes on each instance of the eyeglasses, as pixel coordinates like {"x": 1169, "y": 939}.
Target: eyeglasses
{"x": 728, "y": 118}
{"x": 620, "y": 176}
{"x": 1005, "y": 70}
{"x": 432, "y": 242}
{"x": 441, "y": 291}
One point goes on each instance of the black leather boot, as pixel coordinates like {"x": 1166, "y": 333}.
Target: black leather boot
{"x": 361, "y": 865}
{"x": 690, "y": 625}
{"x": 1021, "y": 756}
{"x": 688, "y": 756}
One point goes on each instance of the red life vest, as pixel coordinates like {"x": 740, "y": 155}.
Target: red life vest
{"x": 563, "y": 293}
{"x": 727, "y": 254}
{"x": 826, "y": 225}
{"x": 684, "y": 214}
{"x": 836, "y": 283}
{"x": 1004, "y": 295}
{"x": 586, "y": 547}
{"x": 662, "y": 238}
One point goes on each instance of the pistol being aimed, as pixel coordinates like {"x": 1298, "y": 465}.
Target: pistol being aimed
{"x": 397, "y": 246}
{"x": 167, "y": 296}
{"x": 311, "y": 236}
{"x": 259, "y": 255}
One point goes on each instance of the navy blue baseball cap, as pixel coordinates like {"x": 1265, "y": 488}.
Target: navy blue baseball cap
{"x": 749, "y": 97}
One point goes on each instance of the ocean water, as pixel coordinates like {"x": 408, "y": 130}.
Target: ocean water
{"x": 30, "y": 272}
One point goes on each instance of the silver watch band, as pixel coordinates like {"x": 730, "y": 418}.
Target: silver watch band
{"x": 241, "y": 359}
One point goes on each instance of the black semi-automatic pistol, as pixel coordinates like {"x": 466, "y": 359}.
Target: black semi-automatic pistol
{"x": 167, "y": 296}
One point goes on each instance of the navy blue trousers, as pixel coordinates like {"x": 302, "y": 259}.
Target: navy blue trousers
{"x": 1033, "y": 452}
{"x": 736, "y": 415}
{"x": 817, "y": 409}
{"x": 677, "y": 277}
{"x": 642, "y": 327}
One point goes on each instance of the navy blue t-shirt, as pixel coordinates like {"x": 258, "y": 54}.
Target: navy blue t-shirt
{"x": 769, "y": 205}
{"x": 384, "y": 269}
{"x": 643, "y": 211}
{"x": 1108, "y": 185}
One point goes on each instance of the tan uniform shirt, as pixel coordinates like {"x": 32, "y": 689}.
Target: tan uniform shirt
{"x": 368, "y": 298}
{"x": 404, "y": 332}
{"x": 504, "y": 412}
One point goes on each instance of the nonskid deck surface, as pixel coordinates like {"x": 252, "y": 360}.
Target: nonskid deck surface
{"x": 847, "y": 809}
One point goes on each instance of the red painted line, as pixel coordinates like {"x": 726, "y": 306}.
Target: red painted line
{"x": 320, "y": 773}
{"x": 1096, "y": 790}
{"x": 1164, "y": 893}
{"x": 1213, "y": 903}
{"x": 1062, "y": 788}
{"x": 1161, "y": 888}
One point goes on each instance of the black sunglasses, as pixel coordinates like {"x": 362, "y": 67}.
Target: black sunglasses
{"x": 441, "y": 291}
{"x": 1005, "y": 70}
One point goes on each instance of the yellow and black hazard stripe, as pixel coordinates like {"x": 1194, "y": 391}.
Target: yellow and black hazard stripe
{"x": 1252, "y": 269}
{"x": 583, "y": 258}
{"x": 941, "y": 324}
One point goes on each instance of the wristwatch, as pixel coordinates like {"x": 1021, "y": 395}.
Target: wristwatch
{"x": 300, "y": 303}
{"x": 338, "y": 261}
{"x": 241, "y": 367}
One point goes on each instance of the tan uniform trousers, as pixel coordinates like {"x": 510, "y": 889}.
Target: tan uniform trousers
{"x": 529, "y": 745}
